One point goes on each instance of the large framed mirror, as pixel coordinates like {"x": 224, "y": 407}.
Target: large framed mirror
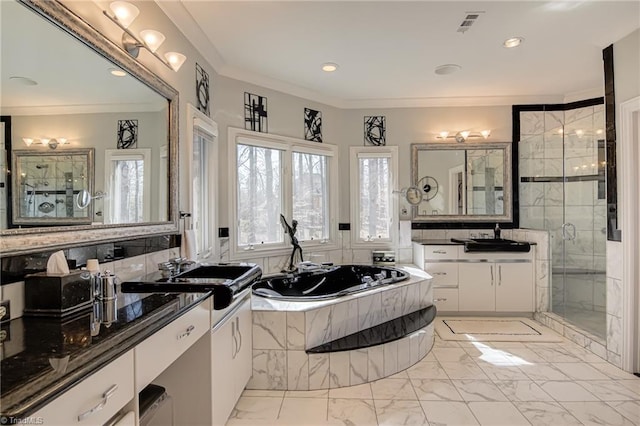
{"x": 460, "y": 183}
{"x": 61, "y": 93}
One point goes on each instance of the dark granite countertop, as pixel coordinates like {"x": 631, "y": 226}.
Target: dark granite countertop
{"x": 43, "y": 357}
{"x": 445, "y": 242}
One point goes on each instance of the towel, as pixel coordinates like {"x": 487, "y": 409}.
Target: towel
{"x": 57, "y": 264}
{"x": 188, "y": 247}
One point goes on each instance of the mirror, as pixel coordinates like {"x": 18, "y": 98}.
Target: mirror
{"x": 47, "y": 186}
{"x": 468, "y": 182}
{"x": 76, "y": 103}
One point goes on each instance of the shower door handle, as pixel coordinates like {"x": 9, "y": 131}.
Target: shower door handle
{"x": 568, "y": 231}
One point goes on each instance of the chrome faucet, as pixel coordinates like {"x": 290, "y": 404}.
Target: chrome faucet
{"x": 179, "y": 264}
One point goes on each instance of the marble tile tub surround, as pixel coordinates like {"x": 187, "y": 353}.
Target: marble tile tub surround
{"x": 282, "y": 331}
{"x": 466, "y": 383}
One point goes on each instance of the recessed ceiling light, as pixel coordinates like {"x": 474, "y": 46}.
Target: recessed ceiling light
{"x": 25, "y": 81}
{"x": 513, "y": 42}
{"x": 447, "y": 69}
{"x": 329, "y": 67}
{"x": 117, "y": 72}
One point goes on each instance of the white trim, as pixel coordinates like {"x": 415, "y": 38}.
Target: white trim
{"x": 355, "y": 153}
{"x": 630, "y": 217}
{"x": 197, "y": 119}
{"x": 288, "y": 145}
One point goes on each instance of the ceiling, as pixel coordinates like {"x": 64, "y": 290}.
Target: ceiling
{"x": 387, "y": 50}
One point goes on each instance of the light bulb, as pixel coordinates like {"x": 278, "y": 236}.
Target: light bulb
{"x": 27, "y": 141}
{"x": 444, "y": 135}
{"x": 152, "y": 38}
{"x": 124, "y": 12}
{"x": 465, "y": 134}
{"x": 485, "y": 133}
{"x": 175, "y": 59}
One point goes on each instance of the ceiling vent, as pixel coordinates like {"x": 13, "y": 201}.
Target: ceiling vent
{"x": 469, "y": 19}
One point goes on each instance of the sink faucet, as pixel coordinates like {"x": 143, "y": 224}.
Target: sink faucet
{"x": 496, "y": 232}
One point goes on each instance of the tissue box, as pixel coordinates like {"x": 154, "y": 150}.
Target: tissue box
{"x": 56, "y": 295}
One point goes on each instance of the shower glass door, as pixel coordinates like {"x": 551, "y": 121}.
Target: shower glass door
{"x": 562, "y": 191}
{"x": 583, "y": 233}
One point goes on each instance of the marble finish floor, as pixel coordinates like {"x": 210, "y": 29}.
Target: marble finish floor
{"x": 466, "y": 383}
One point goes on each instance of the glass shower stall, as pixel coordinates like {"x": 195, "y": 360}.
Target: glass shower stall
{"x": 562, "y": 190}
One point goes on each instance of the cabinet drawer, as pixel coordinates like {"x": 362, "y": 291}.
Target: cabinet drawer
{"x": 157, "y": 352}
{"x": 94, "y": 400}
{"x": 444, "y": 274}
{"x": 446, "y": 299}
{"x": 497, "y": 255}
{"x": 440, "y": 252}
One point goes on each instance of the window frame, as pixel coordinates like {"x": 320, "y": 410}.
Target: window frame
{"x": 355, "y": 153}
{"x": 198, "y": 120}
{"x": 288, "y": 145}
{"x": 127, "y": 154}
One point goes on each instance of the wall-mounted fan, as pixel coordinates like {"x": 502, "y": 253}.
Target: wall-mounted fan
{"x": 429, "y": 187}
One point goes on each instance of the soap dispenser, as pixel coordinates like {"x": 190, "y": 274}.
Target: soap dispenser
{"x": 496, "y": 232}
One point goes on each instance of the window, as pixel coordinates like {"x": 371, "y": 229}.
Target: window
{"x": 277, "y": 175}
{"x": 259, "y": 195}
{"x": 373, "y": 207}
{"x": 203, "y": 177}
{"x": 128, "y": 186}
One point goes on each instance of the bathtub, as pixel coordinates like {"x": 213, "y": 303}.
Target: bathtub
{"x": 327, "y": 283}
{"x": 287, "y": 326}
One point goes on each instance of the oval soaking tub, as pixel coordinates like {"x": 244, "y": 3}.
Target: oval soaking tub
{"x": 327, "y": 282}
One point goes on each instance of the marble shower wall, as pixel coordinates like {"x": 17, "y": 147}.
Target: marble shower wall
{"x": 555, "y": 144}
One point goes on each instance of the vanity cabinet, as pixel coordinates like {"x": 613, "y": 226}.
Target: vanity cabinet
{"x": 159, "y": 351}
{"x": 95, "y": 399}
{"x": 496, "y": 286}
{"x": 478, "y": 281}
{"x": 231, "y": 349}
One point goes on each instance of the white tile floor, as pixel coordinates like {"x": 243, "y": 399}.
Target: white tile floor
{"x": 462, "y": 383}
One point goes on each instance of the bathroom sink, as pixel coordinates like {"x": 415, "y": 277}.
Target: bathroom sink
{"x": 492, "y": 245}
{"x": 225, "y": 280}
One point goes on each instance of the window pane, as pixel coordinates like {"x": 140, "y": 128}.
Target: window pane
{"x": 127, "y": 200}
{"x": 311, "y": 196}
{"x": 375, "y": 198}
{"x": 201, "y": 202}
{"x": 259, "y": 195}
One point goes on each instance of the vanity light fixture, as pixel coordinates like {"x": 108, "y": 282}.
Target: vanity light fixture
{"x": 463, "y": 135}
{"x": 50, "y": 142}
{"x": 123, "y": 15}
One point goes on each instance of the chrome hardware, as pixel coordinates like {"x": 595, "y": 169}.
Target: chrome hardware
{"x": 105, "y": 397}
{"x": 380, "y": 276}
{"x": 440, "y": 251}
{"x": 367, "y": 280}
{"x": 166, "y": 269}
{"x": 438, "y": 273}
{"x": 499, "y": 274}
{"x": 187, "y": 332}
{"x": 179, "y": 264}
{"x": 441, "y": 299}
{"x": 491, "y": 274}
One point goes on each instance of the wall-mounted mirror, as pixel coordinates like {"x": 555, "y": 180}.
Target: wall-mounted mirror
{"x": 46, "y": 187}
{"x": 60, "y": 80}
{"x": 468, "y": 182}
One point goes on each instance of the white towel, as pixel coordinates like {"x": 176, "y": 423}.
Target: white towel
{"x": 57, "y": 264}
{"x": 188, "y": 247}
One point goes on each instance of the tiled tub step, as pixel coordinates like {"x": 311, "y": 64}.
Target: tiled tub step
{"x": 380, "y": 334}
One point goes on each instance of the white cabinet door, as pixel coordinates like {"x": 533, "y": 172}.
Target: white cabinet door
{"x": 446, "y": 299}
{"x": 243, "y": 361}
{"x": 514, "y": 288}
{"x": 223, "y": 391}
{"x": 476, "y": 287}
